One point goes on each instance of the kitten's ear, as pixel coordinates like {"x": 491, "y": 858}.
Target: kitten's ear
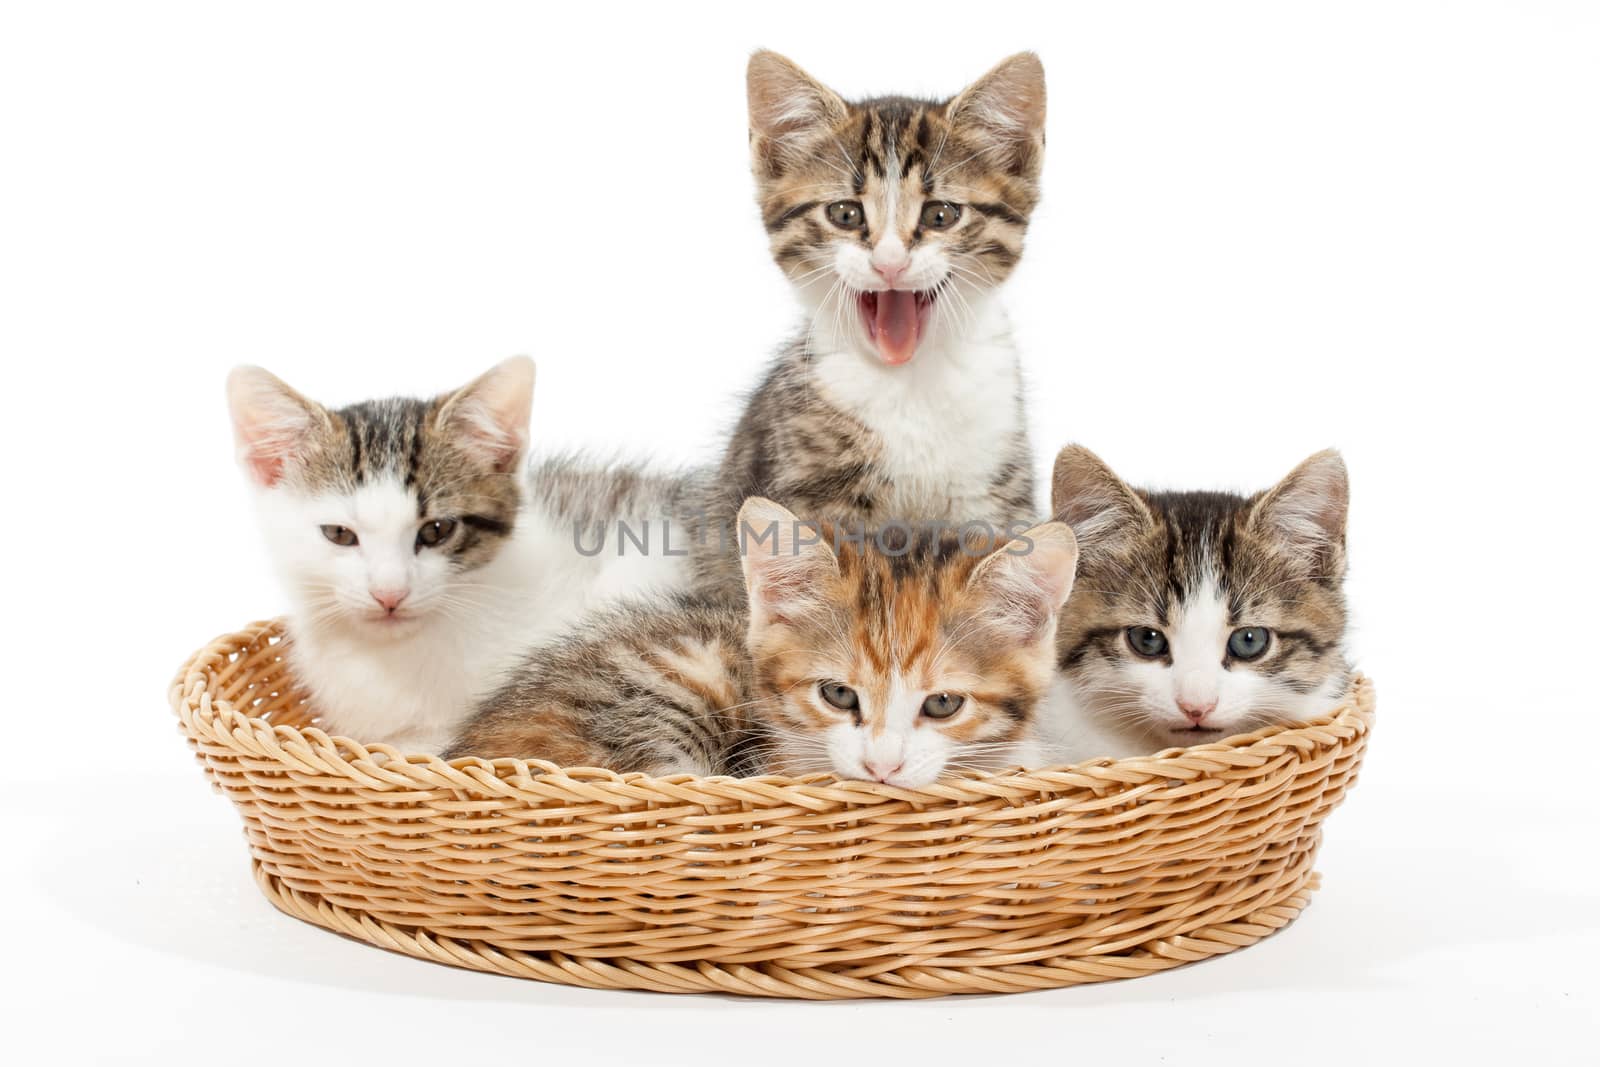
{"x": 271, "y": 423}
{"x": 1003, "y": 111}
{"x": 1307, "y": 512}
{"x": 490, "y": 415}
{"x": 787, "y": 105}
{"x": 785, "y": 562}
{"x": 1027, "y": 580}
{"x": 1088, "y": 496}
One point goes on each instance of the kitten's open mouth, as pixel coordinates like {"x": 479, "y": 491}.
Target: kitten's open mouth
{"x": 895, "y": 319}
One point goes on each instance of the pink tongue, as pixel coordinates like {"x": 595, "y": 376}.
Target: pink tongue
{"x": 897, "y": 326}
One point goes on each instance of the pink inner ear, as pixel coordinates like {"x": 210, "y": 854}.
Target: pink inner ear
{"x": 1028, "y": 594}
{"x": 271, "y": 424}
{"x": 268, "y": 469}
{"x": 498, "y": 446}
{"x": 777, "y": 587}
{"x": 505, "y": 459}
{"x": 268, "y": 448}
{"x": 785, "y": 585}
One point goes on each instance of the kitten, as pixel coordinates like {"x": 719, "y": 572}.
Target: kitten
{"x": 420, "y": 558}
{"x": 892, "y": 663}
{"x": 1197, "y": 615}
{"x": 896, "y": 220}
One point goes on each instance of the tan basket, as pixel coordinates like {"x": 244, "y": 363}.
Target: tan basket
{"x": 769, "y": 886}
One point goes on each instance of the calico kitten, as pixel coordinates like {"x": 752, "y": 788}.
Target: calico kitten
{"x": 891, "y": 663}
{"x": 420, "y": 558}
{"x": 896, "y": 220}
{"x": 1197, "y": 615}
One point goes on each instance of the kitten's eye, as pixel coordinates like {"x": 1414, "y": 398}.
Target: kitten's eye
{"x": 1248, "y": 642}
{"x": 340, "y": 535}
{"x": 435, "y": 533}
{"x": 942, "y": 705}
{"x": 940, "y": 214}
{"x": 847, "y": 214}
{"x": 1146, "y": 641}
{"x": 840, "y": 696}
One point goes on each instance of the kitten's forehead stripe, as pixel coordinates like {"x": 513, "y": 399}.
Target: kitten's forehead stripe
{"x": 414, "y": 453}
{"x": 355, "y": 451}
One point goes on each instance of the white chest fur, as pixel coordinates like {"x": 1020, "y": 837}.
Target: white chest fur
{"x": 1065, "y": 732}
{"x": 941, "y": 420}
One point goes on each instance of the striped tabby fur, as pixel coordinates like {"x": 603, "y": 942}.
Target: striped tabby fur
{"x": 704, "y": 687}
{"x": 838, "y": 430}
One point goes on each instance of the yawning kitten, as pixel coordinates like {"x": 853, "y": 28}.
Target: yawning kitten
{"x": 893, "y": 662}
{"x": 418, "y": 563}
{"x": 1197, "y": 615}
{"x": 896, "y": 220}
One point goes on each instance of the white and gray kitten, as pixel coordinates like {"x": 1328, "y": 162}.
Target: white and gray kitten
{"x": 1197, "y": 615}
{"x": 421, "y": 558}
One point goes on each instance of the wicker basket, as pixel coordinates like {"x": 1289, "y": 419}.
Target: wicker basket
{"x": 769, "y": 886}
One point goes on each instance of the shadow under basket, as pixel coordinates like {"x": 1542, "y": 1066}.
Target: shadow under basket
{"x": 815, "y": 888}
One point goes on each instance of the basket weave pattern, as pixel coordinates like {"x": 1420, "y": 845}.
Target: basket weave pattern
{"x": 769, "y": 886}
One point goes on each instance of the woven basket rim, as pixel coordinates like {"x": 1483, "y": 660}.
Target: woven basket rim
{"x": 800, "y": 887}
{"x": 379, "y": 766}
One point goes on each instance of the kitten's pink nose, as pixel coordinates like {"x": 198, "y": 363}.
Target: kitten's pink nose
{"x": 389, "y": 599}
{"x": 883, "y": 771}
{"x": 1196, "y": 711}
{"x": 890, "y": 259}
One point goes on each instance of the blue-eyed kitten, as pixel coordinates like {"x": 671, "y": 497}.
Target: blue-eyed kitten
{"x": 1197, "y": 615}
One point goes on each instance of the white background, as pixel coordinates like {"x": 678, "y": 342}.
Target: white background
{"x": 1266, "y": 228}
